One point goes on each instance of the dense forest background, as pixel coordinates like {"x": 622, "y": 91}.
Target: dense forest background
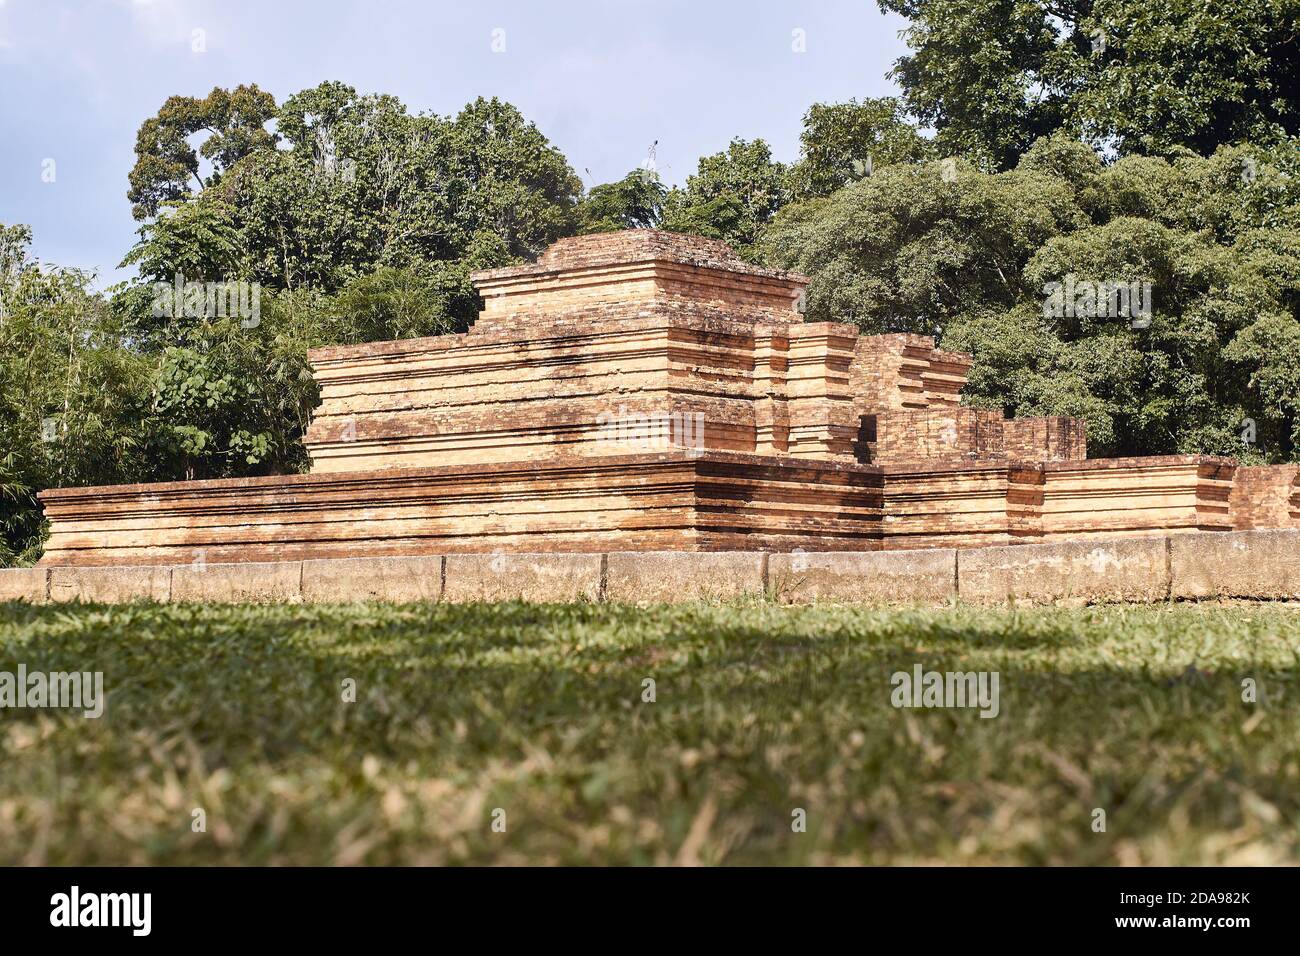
{"x": 1124, "y": 140}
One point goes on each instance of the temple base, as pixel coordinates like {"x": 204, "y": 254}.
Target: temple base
{"x": 664, "y": 501}
{"x": 675, "y": 500}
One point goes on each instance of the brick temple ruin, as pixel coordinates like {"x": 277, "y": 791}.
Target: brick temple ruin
{"x": 646, "y": 391}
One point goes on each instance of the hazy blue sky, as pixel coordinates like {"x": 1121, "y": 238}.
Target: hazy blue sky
{"x": 601, "y": 79}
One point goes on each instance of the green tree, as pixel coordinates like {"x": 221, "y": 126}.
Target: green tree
{"x": 361, "y": 183}
{"x": 358, "y": 183}
{"x": 393, "y": 303}
{"x": 1186, "y": 73}
{"x": 230, "y": 398}
{"x": 913, "y": 246}
{"x": 73, "y": 393}
{"x": 732, "y": 195}
{"x": 634, "y": 202}
{"x": 842, "y": 142}
{"x": 510, "y": 181}
{"x": 168, "y": 167}
{"x": 992, "y": 76}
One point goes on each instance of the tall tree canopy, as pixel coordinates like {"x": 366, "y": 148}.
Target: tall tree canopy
{"x": 167, "y": 164}
{"x": 74, "y": 406}
{"x": 732, "y": 195}
{"x": 634, "y": 202}
{"x": 842, "y": 142}
{"x": 992, "y": 76}
{"x": 351, "y": 183}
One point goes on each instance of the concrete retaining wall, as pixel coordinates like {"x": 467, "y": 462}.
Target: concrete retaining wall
{"x": 110, "y": 585}
{"x": 24, "y": 584}
{"x": 523, "y": 577}
{"x": 1237, "y": 564}
{"x": 1082, "y": 572}
{"x": 663, "y": 576}
{"x": 923, "y": 576}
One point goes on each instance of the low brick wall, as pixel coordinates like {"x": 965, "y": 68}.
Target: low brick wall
{"x": 1109, "y": 497}
{"x": 1265, "y": 496}
{"x": 1186, "y": 566}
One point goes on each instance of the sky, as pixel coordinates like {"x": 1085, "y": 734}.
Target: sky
{"x": 602, "y": 80}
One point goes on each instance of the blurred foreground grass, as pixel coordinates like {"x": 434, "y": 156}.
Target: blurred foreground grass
{"x": 538, "y": 711}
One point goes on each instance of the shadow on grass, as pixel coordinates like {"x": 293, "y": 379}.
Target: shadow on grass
{"x": 754, "y": 706}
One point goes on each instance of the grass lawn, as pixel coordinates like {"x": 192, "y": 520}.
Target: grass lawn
{"x": 759, "y": 710}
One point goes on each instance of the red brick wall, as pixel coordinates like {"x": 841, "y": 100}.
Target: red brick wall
{"x": 893, "y": 372}
{"x": 960, "y": 504}
{"x": 1265, "y": 496}
{"x": 1045, "y": 439}
{"x": 957, "y": 432}
{"x": 945, "y": 433}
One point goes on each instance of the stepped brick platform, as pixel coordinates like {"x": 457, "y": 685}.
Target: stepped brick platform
{"x": 645, "y": 391}
{"x": 715, "y": 501}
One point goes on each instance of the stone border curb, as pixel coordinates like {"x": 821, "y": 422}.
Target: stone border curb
{"x": 1230, "y": 564}
{"x": 1072, "y": 572}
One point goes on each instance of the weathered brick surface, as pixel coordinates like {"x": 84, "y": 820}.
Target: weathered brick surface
{"x": 252, "y": 582}
{"x": 639, "y": 265}
{"x": 1131, "y": 569}
{"x": 943, "y": 433}
{"x": 23, "y": 584}
{"x": 1249, "y": 564}
{"x": 905, "y": 371}
{"x": 887, "y": 577}
{"x": 372, "y": 579}
{"x": 655, "y": 501}
{"x": 110, "y": 585}
{"x": 956, "y": 432}
{"x": 1136, "y": 496}
{"x": 659, "y": 576}
{"x": 1265, "y": 496}
{"x": 971, "y": 504}
{"x": 541, "y": 578}
{"x": 1054, "y": 438}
